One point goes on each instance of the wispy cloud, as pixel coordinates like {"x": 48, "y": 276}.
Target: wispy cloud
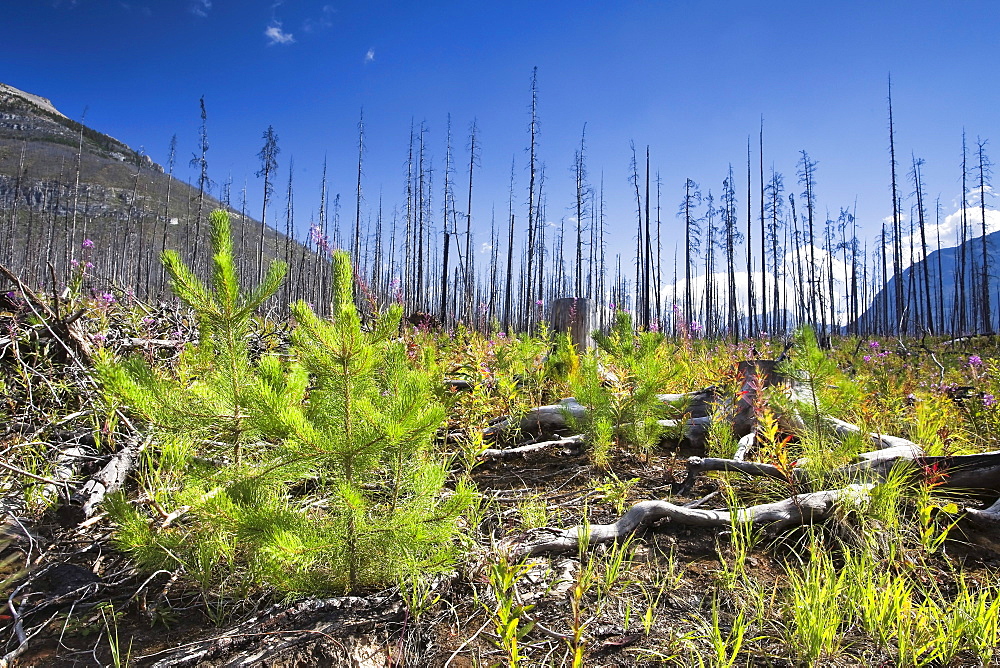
{"x": 142, "y": 10}
{"x": 322, "y": 22}
{"x": 200, "y": 7}
{"x": 370, "y": 56}
{"x": 275, "y": 35}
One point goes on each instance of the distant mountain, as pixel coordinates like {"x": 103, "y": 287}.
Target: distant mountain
{"x": 62, "y": 182}
{"x": 942, "y": 285}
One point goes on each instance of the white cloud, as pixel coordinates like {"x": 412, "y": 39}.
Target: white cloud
{"x": 949, "y": 228}
{"x": 200, "y": 7}
{"x": 276, "y": 35}
{"x": 485, "y": 248}
{"x": 324, "y": 21}
{"x": 788, "y": 286}
{"x": 370, "y": 56}
{"x": 142, "y": 10}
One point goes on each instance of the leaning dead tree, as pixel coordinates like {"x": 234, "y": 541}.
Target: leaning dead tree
{"x": 968, "y": 475}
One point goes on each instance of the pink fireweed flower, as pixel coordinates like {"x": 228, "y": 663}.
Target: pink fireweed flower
{"x": 867, "y": 358}
{"x": 989, "y": 400}
{"x": 873, "y": 345}
{"x": 975, "y": 360}
{"x": 107, "y": 298}
{"x": 87, "y": 243}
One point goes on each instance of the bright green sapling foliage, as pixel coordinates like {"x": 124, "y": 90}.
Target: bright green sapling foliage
{"x": 212, "y": 396}
{"x": 308, "y": 474}
{"x": 628, "y": 407}
{"x": 372, "y": 419}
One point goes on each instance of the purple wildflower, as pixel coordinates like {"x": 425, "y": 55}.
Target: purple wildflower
{"x": 989, "y": 400}
{"x": 867, "y": 358}
{"x": 107, "y": 298}
{"x": 87, "y": 243}
{"x": 873, "y": 345}
{"x": 975, "y": 360}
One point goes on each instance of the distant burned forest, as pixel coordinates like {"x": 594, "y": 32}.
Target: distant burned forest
{"x": 760, "y": 255}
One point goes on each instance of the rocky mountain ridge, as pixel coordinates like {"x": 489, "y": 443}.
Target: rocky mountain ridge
{"x": 63, "y": 183}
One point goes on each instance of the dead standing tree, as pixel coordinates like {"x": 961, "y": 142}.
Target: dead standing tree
{"x": 268, "y": 167}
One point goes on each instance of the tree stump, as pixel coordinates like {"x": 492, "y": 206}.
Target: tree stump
{"x": 574, "y": 316}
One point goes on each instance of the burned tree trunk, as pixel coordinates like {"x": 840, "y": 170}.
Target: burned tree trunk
{"x": 575, "y": 316}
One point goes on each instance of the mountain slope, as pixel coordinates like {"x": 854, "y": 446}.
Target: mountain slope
{"x": 62, "y": 183}
{"x": 953, "y": 290}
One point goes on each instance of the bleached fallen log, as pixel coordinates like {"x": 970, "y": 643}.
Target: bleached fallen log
{"x": 987, "y": 518}
{"x": 844, "y": 429}
{"x": 699, "y": 465}
{"x": 776, "y": 517}
{"x": 544, "y": 419}
{"x": 972, "y": 475}
{"x": 867, "y": 466}
{"x": 695, "y": 410}
{"x": 136, "y": 342}
{"x": 109, "y": 479}
{"x": 502, "y": 454}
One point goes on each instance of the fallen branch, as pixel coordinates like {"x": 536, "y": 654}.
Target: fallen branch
{"x": 501, "y": 454}
{"x": 265, "y": 637}
{"x": 66, "y": 331}
{"x": 777, "y": 516}
{"x": 698, "y": 465}
{"x": 110, "y": 478}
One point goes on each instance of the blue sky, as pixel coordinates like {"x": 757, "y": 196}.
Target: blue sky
{"x": 690, "y": 79}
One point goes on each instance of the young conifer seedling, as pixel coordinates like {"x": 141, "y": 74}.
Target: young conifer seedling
{"x": 310, "y": 472}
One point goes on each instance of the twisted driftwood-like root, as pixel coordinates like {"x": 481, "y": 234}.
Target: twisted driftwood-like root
{"x": 776, "y": 517}
{"x": 977, "y": 474}
{"x": 967, "y": 474}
